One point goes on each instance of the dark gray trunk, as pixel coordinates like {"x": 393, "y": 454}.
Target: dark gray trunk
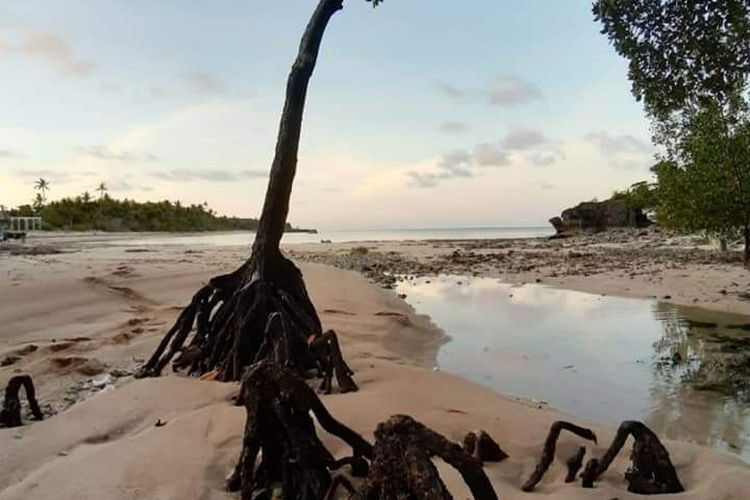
{"x": 747, "y": 245}
{"x": 284, "y": 166}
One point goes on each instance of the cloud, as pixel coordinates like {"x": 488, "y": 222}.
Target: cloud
{"x": 623, "y": 152}
{"x": 51, "y": 49}
{"x": 109, "y": 87}
{"x": 453, "y": 164}
{"x": 542, "y": 159}
{"x": 453, "y": 127}
{"x": 103, "y": 153}
{"x": 423, "y": 180}
{"x": 545, "y": 185}
{"x": 449, "y": 90}
{"x": 211, "y": 175}
{"x": 456, "y": 163}
{"x": 505, "y": 91}
{"x": 529, "y": 145}
{"x": 614, "y": 145}
{"x": 489, "y": 155}
{"x": 157, "y": 93}
{"x": 7, "y": 153}
{"x": 524, "y": 139}
{"x": 509, "y": 91}
{"x": 537, "y": 148}
{"x": 53, "y": 175}
{"x": 121, "y": 185}
{"x": 203, "y": 83}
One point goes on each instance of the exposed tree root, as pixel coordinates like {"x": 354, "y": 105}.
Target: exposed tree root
{"x": 402, "y": 467}
{"x": 483, "y": 448}
{"x": 326, "y": 347}
{"x": 574, "y": 464}
{"x": 10, "y": 415}
{"x": 548, "y": 453}
{"x": 279, "y": 427}
{"x": 651, "y": 471}
{"x": 257, "y": 312}
{"x": 589, "y": 473}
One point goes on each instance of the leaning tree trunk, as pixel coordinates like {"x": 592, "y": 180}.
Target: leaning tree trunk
{"x": 232, "y": 313}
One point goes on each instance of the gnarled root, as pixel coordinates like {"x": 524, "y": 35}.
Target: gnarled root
{"x": 651, "y": 471}
{"x": 260, "y": 311}
{"x": 10, "y": 415}
{"x": 279, "y": 427}
{"x": 327, "y": 348}
{"x": 548, "y": 453}
{"x": 574, "y": 464}
{"x": 483, "y": 448}
{"x": 402, "y": 466}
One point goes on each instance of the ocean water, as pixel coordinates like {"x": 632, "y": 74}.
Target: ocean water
{"x": 603, "y": 359}
{"x": 339, "y": 236}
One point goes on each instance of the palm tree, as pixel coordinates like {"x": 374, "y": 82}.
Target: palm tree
{"x": 42, "y": 185}
{"x": 86, "y": 197}
{"x": 102, "y": 189}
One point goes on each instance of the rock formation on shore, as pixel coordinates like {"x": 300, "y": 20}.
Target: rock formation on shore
{"x": 599, "y": 216}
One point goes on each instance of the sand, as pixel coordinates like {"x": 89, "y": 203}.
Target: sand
{"x": 105, "y": 308}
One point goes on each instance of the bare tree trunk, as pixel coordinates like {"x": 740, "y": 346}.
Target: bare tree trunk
{"x": 284, "y": 167}
{"x": 262, "y": 310}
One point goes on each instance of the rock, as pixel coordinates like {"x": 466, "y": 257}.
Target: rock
{"x": 598, "y": 216}
{"x": 101, "y": 382}
{"x": 118, "y": 373}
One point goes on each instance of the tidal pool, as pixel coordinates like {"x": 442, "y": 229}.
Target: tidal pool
{"x": 605, "y": 359}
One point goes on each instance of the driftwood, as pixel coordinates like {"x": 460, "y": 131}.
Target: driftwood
{"x": 402, "y": 465}
{"x": 483, "y": 448}
{"x": 651, "y": 471}
{"x": 10, "y": 414}
{"x": 280, "y": 428}
{"x": 548, "y": 453}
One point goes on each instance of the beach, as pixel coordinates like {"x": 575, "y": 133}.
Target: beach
{"x": 82, "y": 320}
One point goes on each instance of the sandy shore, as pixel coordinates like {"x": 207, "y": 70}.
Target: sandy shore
{"x": 91, "y": 315}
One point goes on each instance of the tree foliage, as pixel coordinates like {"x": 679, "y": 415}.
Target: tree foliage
{"x": 689, "y": 62}
{"x": 679, "y": 51}
{"x": 705, "y": 183}
{"x": 82, "y": 213}
{"x": 641, "y": 195}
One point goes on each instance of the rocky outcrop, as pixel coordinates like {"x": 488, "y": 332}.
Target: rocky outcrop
{"x": 598, "y": 216}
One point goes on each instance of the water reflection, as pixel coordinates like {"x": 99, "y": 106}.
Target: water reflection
{"x": 602, "y": 358}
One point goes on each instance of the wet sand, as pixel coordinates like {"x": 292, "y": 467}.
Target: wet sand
{"x": 93, "y": 314}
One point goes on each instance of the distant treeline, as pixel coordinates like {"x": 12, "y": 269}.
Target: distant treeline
{"x": 108, "y": 214}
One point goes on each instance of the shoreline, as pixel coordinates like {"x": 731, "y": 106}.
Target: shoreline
{"x": 99, "y": 309}
{"x": 644, "y": 264}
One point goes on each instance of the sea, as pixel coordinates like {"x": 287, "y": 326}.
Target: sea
{"x": 235, "y": 238}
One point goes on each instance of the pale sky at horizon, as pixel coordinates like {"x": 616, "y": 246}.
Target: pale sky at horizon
{"x": 420, "y": 113}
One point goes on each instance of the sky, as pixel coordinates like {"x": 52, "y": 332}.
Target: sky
{"x": 420, "y": 114}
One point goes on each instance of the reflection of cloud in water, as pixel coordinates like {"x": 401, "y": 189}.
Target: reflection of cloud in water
{"x": 592, "y": 356}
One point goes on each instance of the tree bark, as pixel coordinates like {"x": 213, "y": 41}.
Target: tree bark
{"x": 284, "y": 166}
{"x": 747, "y": 245}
